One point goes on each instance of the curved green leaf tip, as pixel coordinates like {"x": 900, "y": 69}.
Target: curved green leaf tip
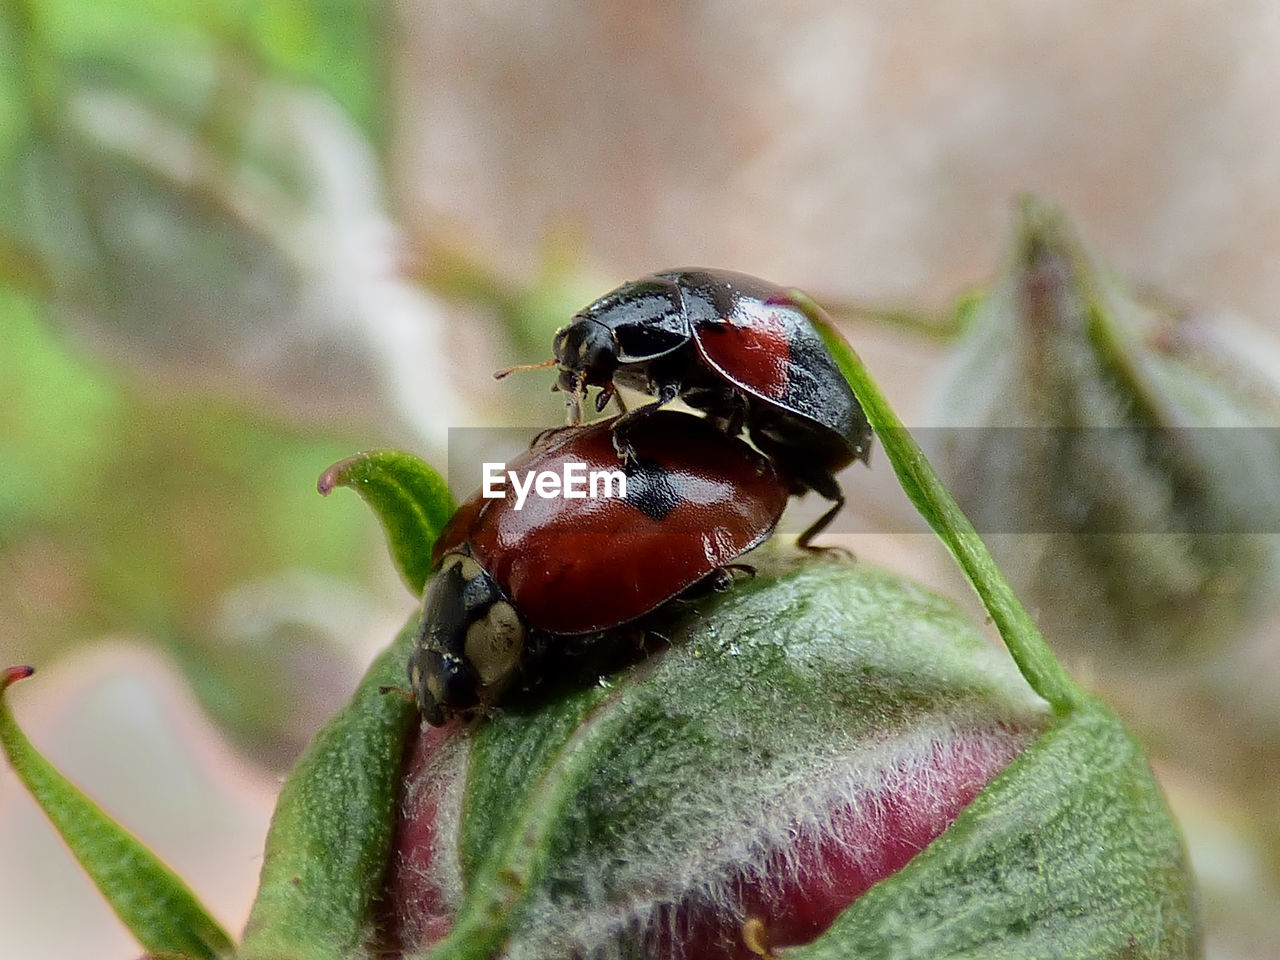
{"x": 157, "y": 907}
{"x": 411, "y": 501}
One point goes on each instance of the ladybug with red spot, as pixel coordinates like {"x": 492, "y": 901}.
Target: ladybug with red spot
{"x": 741, "y": 349}
{"x": 517, "y": 588}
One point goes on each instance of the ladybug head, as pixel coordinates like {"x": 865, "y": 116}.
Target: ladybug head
{"x": 469, "y": 642}
{"x": 586, "y": 352}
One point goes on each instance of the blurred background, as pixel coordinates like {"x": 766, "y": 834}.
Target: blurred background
{"x": 240, "y": 239}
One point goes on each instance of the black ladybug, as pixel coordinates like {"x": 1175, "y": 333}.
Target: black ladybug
{"x": 742, "y": 349}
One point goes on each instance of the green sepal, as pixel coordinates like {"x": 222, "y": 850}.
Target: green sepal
{"x": 158, "y": 908}
{"x": 411, "y": 500}
{"x": 1070, "y": 852}
{"x": 330, "y": 837}
{"x": 551, "y": 753}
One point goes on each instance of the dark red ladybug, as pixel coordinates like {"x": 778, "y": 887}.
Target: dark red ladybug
{"x": 515, "y": 583}
{"x": 740, "y": 348}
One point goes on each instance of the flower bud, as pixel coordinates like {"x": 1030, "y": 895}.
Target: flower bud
{"x": 800, "y": 766}
{"x": 1114, "y": 452}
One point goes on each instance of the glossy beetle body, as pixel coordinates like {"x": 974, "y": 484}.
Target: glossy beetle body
{"x": 567, "y": 573}
{"x": 741, "y": 349}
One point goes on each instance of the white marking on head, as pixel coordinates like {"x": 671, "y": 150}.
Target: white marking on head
{"x": 493, "y": 643}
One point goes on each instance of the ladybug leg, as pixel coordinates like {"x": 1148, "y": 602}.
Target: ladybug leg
{"x": 724, "y": 577}
{"x": 542, "y": 436}
{"x": 652, "y": 639}
{"x": 718, "y": 580}
{"x": 573, "y": 400}
{"x": 825, "y": 485}
{"x": 666, "y": 393}
{"x": 733, "y": 420}
{"x": 804, "y": 541}
{"x": 431, "y": 711}
{"x": 622, "y": 446}
{"x": 624, "y": 424}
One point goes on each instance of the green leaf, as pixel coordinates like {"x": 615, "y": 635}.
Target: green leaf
{"x": 1069, "y": 852}
{"x": 330, "y": 837}
{"x": 411, "y": 500}
{"x": 157, "y": 907}
{"x": 552, "y": 753}
{"x": 70, "y": 429}
{"x": 332, "y": 45}
{"x": 926, "y": 491}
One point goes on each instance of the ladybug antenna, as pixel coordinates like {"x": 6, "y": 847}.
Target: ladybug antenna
{"x": 499, "y": 374}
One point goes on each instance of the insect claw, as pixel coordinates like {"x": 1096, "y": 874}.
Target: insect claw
{"x": 607, "y": 393}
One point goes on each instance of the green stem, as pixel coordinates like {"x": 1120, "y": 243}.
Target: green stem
{"x": 1025, "y": 643}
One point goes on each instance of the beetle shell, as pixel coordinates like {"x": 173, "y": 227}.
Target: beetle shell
{"x": 696, "y": 500}
{"x": 512, "y": 584}
{"x": 707, "y": 330}
{"x": 743, "y": 350}
{"x": 755, "y": 336}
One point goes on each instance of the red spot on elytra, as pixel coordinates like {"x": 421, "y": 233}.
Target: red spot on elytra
{"x": 754, "y": 350}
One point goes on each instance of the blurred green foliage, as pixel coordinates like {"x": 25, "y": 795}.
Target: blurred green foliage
{"x": 169, "y": 169}
{"x": 530, "y": 310}
{"x": 172, "y": 48}
{"x": 130, "y": 510}
{"x": 103, "y": 101}
{"x": 135, "y": 507}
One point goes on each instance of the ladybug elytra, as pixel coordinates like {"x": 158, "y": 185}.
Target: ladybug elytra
{"x": 514, "y": 586}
